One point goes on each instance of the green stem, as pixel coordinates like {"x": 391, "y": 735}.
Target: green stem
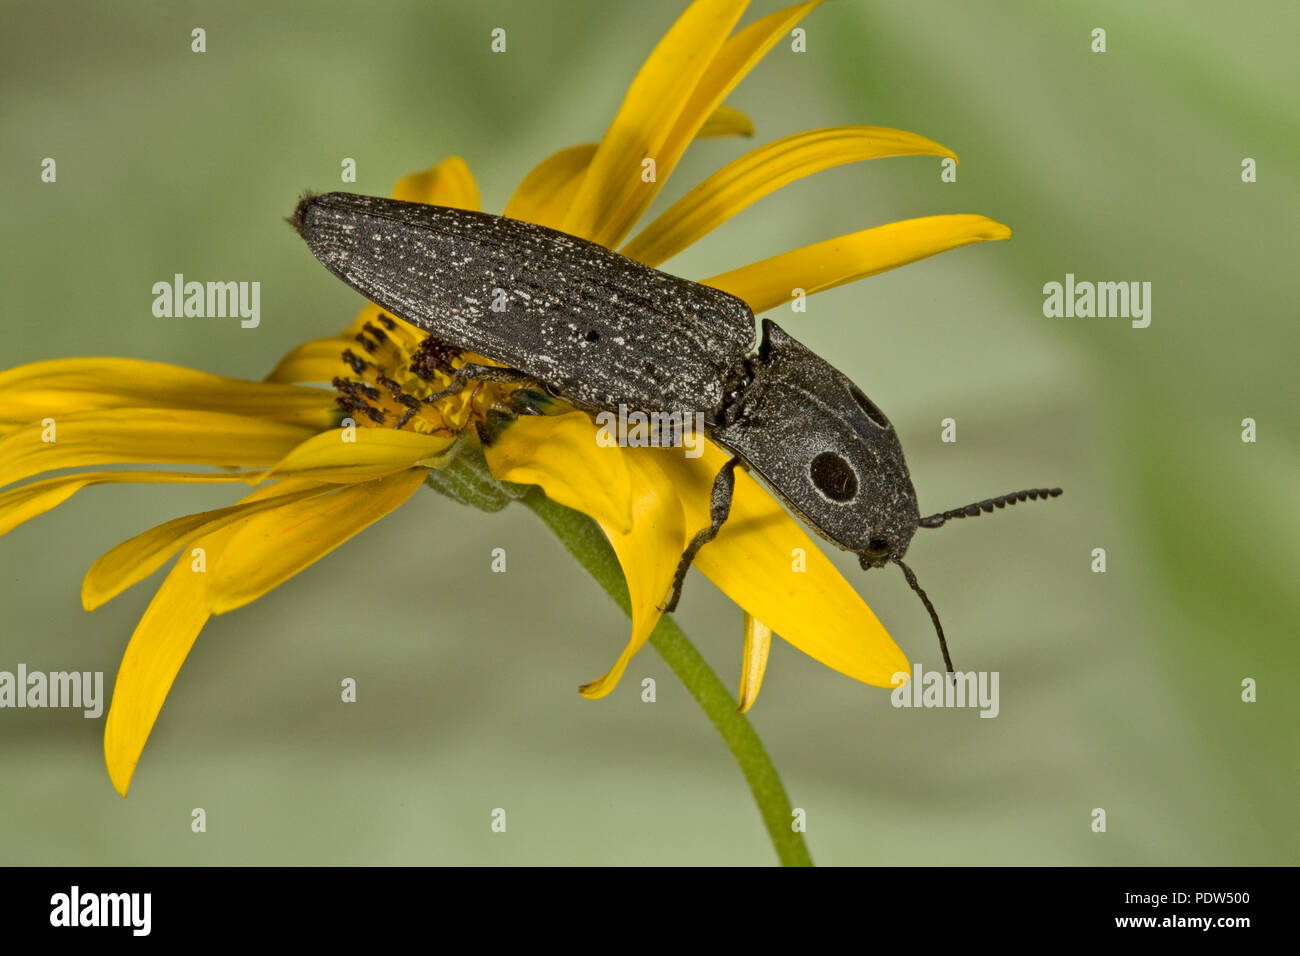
{"x": 584, "y": 540}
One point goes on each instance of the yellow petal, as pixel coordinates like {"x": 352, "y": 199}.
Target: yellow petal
{"x": 320, "y": 360}
{"x": 373, "y": 453}
{"x": 613, "y": 189}
{"x": 629, "y": 497}
{"x": 450, "y": 183}
{"x": 726, "y": 121}
{"x": 763, "y": 171}
{"x": 752, "y": 561}
{"x": 758, "y": 643}
{"x": 732, "y": 62}
{"x": 61, "y": 387}
{"x": 147, "y": 435}
{"x": 269, "y": 548}
{"x": 26, "y": 502}
{"x": 825, "y": 265}
{"x": 159, "y": 646}
{"x": 648, "y": 553}
{"x": 152, "y": 659}
{"x": 547, "y": 191}
{"x": 740, "y": 54}
{"x": 561, "y": 454}
{"x": 136, "y": 558}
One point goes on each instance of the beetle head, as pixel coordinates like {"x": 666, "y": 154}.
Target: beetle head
{"x": 832, "y": 455}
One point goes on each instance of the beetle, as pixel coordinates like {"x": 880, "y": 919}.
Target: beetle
{"x": 602, "y": 331}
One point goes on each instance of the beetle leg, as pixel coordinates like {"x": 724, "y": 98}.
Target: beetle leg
{"x": 724, "y": 486}
{"x": 483, "y": 373}
{"x": 526, "y": 401}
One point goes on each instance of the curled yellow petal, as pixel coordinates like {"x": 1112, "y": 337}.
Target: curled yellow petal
{"x": 613, "y": 188}
{"x": 726, "y": 121}
{"x": 152, "y": 435}
{"x": 547, "y": 191}
{"x": 153, "y": 658}
{"x": 450, "y": 183}
{"x": 758, "y": 644}
{"x": 764, "y": 562}
{"x": 268, "y": 548}
{"x": 27, "y": 501}
{"x": 159, "y": 646}
{"x": 51, "y": 389}
{"x": 833, "y": 262}
{"x": 359, "y": 453}
{"x": 136, "y": 558}
{"x": 648, "y": 554}
{"x": 561, "y": 454}
{"x": 765, "y": 170}
{"x": 629, "y": 496}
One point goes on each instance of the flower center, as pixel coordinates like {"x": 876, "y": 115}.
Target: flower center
{"x": 396, "y": 370}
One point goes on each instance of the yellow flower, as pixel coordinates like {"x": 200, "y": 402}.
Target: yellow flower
{"x": 325, "y": 464}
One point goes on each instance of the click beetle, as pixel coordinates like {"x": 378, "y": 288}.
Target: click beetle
{"x": 602, "y": 331}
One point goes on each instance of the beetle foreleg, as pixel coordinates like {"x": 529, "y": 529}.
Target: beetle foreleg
{"x": 482, "y": 373}
{"x": 724, "y": 486}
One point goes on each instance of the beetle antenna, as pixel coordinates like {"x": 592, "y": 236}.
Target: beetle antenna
{"x": 987, "y": 505}
{"x": 934, "y": 616}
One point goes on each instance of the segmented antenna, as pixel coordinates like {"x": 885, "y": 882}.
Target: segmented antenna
{"x": 934, "y": 616}
{"x": 987, "y": 505}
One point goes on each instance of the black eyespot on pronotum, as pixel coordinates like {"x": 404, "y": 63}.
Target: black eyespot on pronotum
{"x": 592, "y": 336}
{"x": 834, "y": 477}
{"x": 874, "y": 414}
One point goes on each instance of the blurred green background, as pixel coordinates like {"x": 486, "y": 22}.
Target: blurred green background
{"x": 1118, "y": 690}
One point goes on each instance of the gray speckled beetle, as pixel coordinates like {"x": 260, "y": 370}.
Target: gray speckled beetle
{"x": 602, "y": 330}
